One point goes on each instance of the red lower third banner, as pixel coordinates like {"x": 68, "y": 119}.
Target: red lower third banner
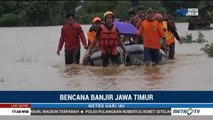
{"x": 15, "y": 109}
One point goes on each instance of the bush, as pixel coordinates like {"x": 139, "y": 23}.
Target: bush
{"x": 200, "y": 38}
{"x": 208, "y": 49}
{"x": 9, "y": 19}
{"x": 187, "y": 38}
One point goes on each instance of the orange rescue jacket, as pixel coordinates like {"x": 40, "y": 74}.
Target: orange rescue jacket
{"x": 91, "y": 34}
{"x": 152, "y": 31}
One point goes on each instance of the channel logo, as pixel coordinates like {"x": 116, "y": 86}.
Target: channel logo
{"x": 187, "y": 12}
{"x": 190, "y": 111}
{"x": 186, "y": 111}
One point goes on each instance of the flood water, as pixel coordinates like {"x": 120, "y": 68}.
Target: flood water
{"x": 29, "y": 62}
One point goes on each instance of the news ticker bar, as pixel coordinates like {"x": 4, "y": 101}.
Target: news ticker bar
{"x": 106, "y": 96}
{"x": 31, "y": 111}
{"x": 142, "y": 109}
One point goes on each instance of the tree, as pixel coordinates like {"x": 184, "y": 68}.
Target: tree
{"x": 70, "y": 6}
{"x": 43, "y": 13}
{"x": 53, "y": 12}
{"x": 121, "y": 9}
{"x": 9, "y": 19}
{"x": 134, "y": 3}
{"x": 91, "y": 9}
{"x": 7, "y": 7}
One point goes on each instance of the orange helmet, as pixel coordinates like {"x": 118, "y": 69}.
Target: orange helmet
{"x": 108, "y": 13}
{"x": 95, "y": 19}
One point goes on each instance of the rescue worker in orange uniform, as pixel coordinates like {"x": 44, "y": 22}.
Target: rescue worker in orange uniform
{"x": 170, "y": 33}
{"x": 109, "y": 38}
{"x": 152, "y": 31}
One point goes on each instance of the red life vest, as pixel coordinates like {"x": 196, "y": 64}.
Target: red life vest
{"x": 108, "y": 38}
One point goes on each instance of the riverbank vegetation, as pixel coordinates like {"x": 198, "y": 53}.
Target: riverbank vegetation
{"x": 45, "y": 13}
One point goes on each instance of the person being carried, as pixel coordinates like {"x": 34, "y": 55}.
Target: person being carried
{"x": 108, "y": 38}
{"x": 70, "y": 34}
{"x": 91, "y": 34}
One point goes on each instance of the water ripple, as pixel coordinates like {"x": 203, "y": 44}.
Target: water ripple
{"x": 1, "y": 79}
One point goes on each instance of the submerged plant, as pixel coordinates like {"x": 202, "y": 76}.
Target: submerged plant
{"x": 28, "y": 59}
{"x": 208, "y": 49}
{"x": 187, "y": 38}
{"x": 200, "y": 38}
{"x": 1, "y": 79}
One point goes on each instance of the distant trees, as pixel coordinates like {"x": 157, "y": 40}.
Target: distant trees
{"x": 42, "y": 13}
{"x": 30, "y": 13}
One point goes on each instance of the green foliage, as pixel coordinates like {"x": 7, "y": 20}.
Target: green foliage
{"x": 156, "y": 5}
{"x": 99, "y": 6}
{"x": 121, "y": 9}
{"x": 187, "y": 38}
{"x": 7, "y": 7}
{"x": 70, "y": 6}
{"x": 43, "y": 13}
{"x": 172, "y": 5}
{"x": 90, "y": 9}
{"x": 9, "y": 19}
{"x": 87, "y": 18}
{"x": 208, "y": 49}
{"x": 201, "y": 38}
{"x": 37, "y": 13}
